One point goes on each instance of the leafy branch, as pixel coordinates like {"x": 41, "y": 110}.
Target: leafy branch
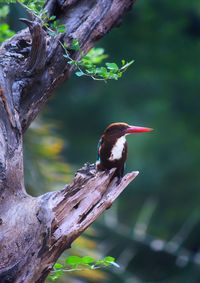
{"x": 34, "y": 7}
{"x": 88, "y": 66}
{"x": 76, "y": 263}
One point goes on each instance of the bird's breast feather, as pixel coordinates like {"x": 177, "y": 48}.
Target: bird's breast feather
{"x": 117, "y": 149}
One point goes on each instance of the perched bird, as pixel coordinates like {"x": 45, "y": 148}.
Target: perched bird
{"x": 112, "y": 147}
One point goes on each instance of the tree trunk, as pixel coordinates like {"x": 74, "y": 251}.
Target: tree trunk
{"x": 34, "y": 231}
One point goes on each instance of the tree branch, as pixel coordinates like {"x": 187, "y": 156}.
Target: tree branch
{"x": 31, "y": 66}
{"x": 58, "y": 219}
{"x": 37, "y": 58}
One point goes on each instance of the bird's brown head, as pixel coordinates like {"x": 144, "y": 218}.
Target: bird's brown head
{"x": 117, "y": 130}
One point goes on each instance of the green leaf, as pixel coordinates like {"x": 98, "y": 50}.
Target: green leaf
{"x": 123, "y": 62}
{"x": 95, "y": 56}
{"x": 52, "y": 18}
{"x": 53, "y": 277}
{"x": 73, "y": 260}
{"x": 58, "y": 265}
{"x": 56, "y": 275}
{"x": 109, "y": 259}
{"x": 99, "y": 262}
{"x": 113, "y": 76}
{"x": 75, "y": 45}
{"x": 88, "y": 259}
{"x": 112, "y": 66}
{"x": 102, "y": 71}
{"x": 4, "y": 11}
{"x": 61, "y": 28}
{"x": 5, "y": 32}
{"x": 65, "y": 45}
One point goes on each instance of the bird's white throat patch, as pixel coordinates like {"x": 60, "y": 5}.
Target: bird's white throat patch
{"x": 116, "y": 152}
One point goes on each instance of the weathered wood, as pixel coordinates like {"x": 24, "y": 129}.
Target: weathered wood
{"x": 35, "y": 231}
{"x": 37, "y": 57}
{"x": 43, "y": 227}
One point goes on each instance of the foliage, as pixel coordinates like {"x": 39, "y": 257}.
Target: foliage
{"x": 54, "y": 27}
{"x": 77, "y": 263}
{"x": 33, "y": 6}
{"x": 5, "y": 31}
{"x": 87, "y": 66}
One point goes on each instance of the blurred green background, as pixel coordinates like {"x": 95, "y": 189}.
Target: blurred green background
{"x": 153, "y": 229}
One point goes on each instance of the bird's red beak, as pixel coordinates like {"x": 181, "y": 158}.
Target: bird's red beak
{"x": 135, "y": 130}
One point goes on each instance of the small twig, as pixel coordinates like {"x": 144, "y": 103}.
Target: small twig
{"x": 78, "y": 269}
{"x": 31, "y": 11}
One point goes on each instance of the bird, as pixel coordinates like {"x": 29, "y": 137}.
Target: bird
{"x": 112, "y": 147}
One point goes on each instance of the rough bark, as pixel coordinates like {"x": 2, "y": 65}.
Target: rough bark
{"x": 35, "y": 231}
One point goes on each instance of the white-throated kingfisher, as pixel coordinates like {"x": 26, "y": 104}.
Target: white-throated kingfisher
{"x": 112, "y": 147}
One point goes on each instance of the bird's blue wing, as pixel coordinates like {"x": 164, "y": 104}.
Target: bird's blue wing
{"x": 99, "y": 148}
